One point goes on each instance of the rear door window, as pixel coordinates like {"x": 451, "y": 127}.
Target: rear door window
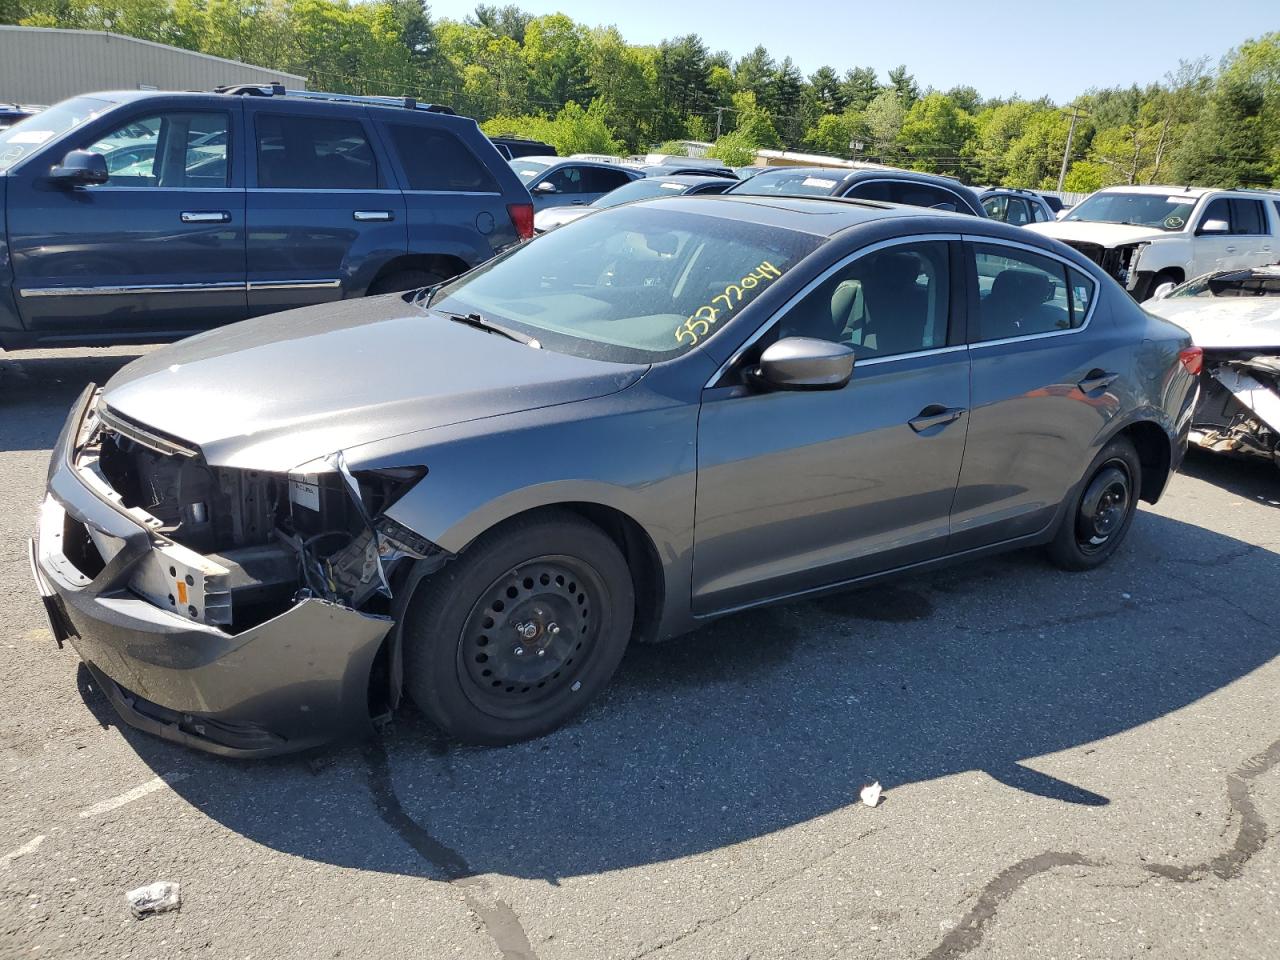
{"x": 871, "y": 190}
{"x": 314, "y": 153}
{"x": 602, "y": 181}
{"x": 1248, "y": 218}
{"x": 924, "y": 195}
{"x": 567, "y": 180}
{"x": 1019, "y": 213}
{"x": 437, "y": 160}
{"x": 1021, "y": 293}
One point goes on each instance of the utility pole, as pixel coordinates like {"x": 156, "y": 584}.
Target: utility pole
{"x": 719, "y": 113}
{"x": 1066, "y": 154}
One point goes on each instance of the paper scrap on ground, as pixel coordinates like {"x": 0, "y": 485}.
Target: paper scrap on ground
{"x": 871, "y": 794}
{"x": 159, "y": 897}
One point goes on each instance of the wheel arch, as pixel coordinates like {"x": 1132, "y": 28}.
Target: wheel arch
{"x": 445, "y": 265}
{"x": 1155, "y": 453}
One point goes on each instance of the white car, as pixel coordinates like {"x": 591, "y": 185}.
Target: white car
{"x": 1153, "y": 238}
{"x": 1234, "y": 317}
{"x": 549, "y": 219}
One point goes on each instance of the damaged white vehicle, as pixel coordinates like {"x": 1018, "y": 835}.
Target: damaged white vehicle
{"x": 1234, "y": 317}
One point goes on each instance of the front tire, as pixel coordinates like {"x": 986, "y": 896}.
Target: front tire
{"x": 1101, "y": 512}
{"x": 518, "y": 633}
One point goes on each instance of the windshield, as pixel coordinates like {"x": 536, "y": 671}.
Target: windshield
{"x": 526, "y": 170}
{"x": 636, "y": 284}
{"x": 1238, "y": 283}
{"x": 790, "y": 183}
{"x": 1135, "y": 209}
{"x": 639, "y": 190}
{"x": 25, "y": 138}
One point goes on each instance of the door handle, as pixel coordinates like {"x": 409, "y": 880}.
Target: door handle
{"x": 935, "y": 415}
{"x": 1096, "y": 379}
{"x": 371, "y": 216}
{"x": 206, "y": 216}
{"x": 1231, "y": 249}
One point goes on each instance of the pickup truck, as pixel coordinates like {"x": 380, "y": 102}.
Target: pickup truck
{"x": 1152, "y": 238}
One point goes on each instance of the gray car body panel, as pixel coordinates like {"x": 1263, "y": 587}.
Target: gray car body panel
{"x": 743, "y": 497}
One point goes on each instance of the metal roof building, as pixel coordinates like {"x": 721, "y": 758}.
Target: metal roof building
{"x": 45, "y": 65}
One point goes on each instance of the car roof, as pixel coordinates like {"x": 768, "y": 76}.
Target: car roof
{"x": 1164, "y": 191}
{"x": 574, "y": 161}
{"x": 841, "y": 175}
{"x": 402, "y": 107}
{"x": 820, "y": 216}
{"x": 690, "y": 179}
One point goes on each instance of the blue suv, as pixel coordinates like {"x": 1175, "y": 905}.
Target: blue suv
{"x": 135, "y": 216}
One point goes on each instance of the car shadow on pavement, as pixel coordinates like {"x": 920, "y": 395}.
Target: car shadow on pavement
{"x": 1252, "y": 478}
{"x": 770, "y": 718}
{"x": 36, "y": 393}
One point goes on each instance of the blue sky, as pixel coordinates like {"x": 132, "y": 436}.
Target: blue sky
{"x": 999, "y": 46}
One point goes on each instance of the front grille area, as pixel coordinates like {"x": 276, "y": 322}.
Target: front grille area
{"x": 1114, "y": 260}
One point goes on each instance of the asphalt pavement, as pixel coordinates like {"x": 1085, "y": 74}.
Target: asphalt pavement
{"x": 1074, "y": 765}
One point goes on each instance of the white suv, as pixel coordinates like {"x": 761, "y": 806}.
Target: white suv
{"x": 1152, "y": 238}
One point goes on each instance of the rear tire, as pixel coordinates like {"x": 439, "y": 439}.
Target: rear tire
{"x": 403, "y": 280}
{"x": 518, "y": 633}
{"x": 1100, "y": 513}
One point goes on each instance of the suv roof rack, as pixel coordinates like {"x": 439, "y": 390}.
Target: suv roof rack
{"x": 278, "y": 90}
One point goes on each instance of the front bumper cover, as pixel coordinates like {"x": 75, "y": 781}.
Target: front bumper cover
{"x": 293, "y": 682}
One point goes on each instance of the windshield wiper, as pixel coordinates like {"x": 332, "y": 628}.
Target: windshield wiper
{"x": 481, "y": 323}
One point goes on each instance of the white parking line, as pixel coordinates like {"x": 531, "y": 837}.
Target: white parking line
{"x": 137, "y": 793}
{"x": 23, "y": 850}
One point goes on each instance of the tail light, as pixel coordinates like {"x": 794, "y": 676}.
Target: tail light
{"x": 1193, "y": 359}
{"x": 521, "y": 219}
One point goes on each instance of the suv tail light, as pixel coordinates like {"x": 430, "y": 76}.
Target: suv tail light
{"x": 521, "y": 219}
{"x": 1193, "y": 359}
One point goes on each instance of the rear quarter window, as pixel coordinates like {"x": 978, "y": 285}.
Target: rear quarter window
{"x": 437, "y": 160}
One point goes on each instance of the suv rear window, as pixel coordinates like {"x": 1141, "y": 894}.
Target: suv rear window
{"x": 314, "y": 153}
{"x": 437, "y": 160}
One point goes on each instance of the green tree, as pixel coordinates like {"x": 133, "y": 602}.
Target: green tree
{"x": 572, "y": 130}
{"x": 934, "y": 134}
{"x": 883, "y": 117}
{"x": 754, "y": 73}
{"x": 555, "y": 55}
{"x": 825, "y": 87}
{"x": 859, "y": 87}
{"x": 833, "y": 133}
{"x": 506, "y": 21}
{"x": 904, "y": 84}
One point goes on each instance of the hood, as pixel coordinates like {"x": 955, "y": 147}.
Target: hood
{"x": 553, "y": 217}
{"x": 1224, "y": 323}
{"x": 1106, "y": 234}
{"x": 282, "y": 390}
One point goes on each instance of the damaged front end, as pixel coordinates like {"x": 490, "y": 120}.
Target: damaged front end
{"x": 241, "y": 611}
{"x": 1239, "y": 408}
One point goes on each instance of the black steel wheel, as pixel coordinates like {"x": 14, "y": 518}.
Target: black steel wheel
{"x": 521, "y": 630}
{"x": 1104, "y": 507}
{"x": 1099, "y": 515}
{"x": 530, "y": 634}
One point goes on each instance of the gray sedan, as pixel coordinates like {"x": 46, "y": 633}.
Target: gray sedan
{"x": 479, "y": 494}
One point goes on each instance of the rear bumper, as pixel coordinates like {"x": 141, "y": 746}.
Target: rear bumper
{"x": 293, "y": 682}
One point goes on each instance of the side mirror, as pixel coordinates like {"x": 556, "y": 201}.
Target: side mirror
{"x": 546, "y": 186}
{"x": 80, "y": 168}
{"x": 803, "y": 363}
{"x": 1214, "y": 226}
